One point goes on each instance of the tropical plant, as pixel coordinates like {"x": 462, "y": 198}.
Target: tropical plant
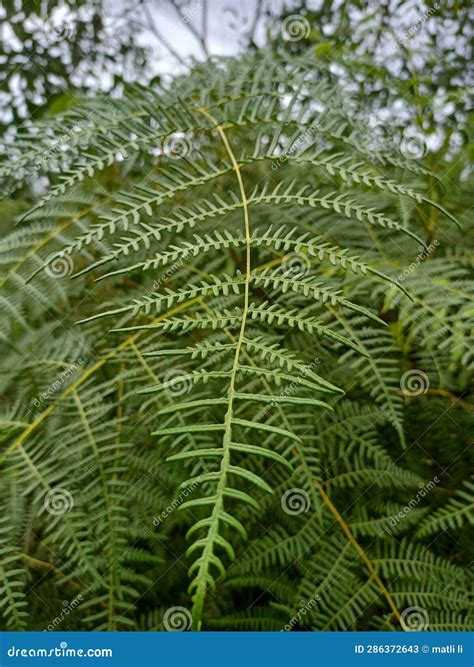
{"x": 229, "y": 318}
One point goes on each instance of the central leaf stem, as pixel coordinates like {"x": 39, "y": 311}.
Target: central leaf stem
{"x": 213, "y": 531}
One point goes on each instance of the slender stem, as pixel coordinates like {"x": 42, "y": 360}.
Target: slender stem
{"x": 361, "y": 553}
{"x": 202, "y": 577}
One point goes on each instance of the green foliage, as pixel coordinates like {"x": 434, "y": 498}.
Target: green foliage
{"x": 226, "y": 338}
